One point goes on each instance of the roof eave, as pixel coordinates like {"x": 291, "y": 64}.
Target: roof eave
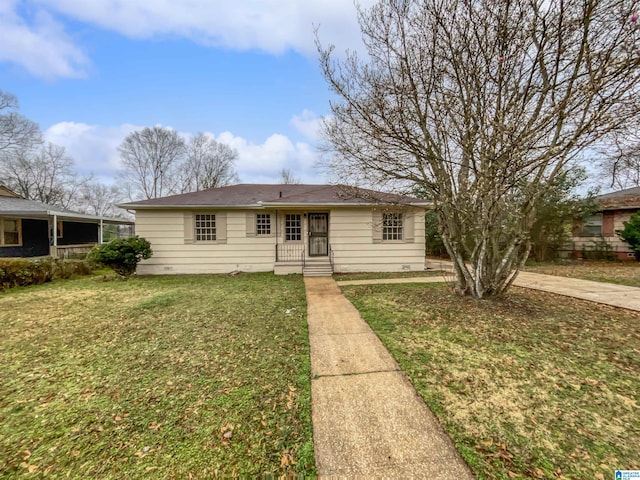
{"x": 270, "y": 205}
{"x": 344, "y": 204}
{"x": 43, "y": 214}
{"x": 134, "y": 206}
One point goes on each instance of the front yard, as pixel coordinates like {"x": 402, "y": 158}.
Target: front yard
{"x": 531, "y": 386}
{"x": 169, "y": 377}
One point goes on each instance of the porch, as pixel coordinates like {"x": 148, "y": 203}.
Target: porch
{"x": 303, "y": 245}
{"x": 293, "y": 258}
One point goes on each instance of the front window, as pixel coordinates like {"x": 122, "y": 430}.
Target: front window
{"x": 592, "y": 226}
{"x": 10, "y": 232}
{"x": 263, "y": 224}
{"x": 205, "y": 227}
{"x": 392, "y": 226}
{"x": 293, "y": 227}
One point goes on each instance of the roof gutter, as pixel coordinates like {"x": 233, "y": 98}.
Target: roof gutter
{"x": 263, "y": 205}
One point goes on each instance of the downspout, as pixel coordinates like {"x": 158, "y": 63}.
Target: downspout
{"x": 100, "y": 236}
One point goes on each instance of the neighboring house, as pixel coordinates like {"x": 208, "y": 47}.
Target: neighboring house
{"x": 32, "y": 229}
{"x": 282, "y": 228}
{"x": 614, "y": 209}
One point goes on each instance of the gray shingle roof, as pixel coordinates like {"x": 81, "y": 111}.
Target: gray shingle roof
{"x": 273, "y": 195}
{"x": 12, "y": 204}
{"x": 21, "y": 207}
{"x": 628, "y": 199}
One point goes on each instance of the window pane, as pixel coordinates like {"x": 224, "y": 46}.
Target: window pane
{"x": 11, "y": 232}
{"x": 392, "y": 226}
{"x": 592, "y": 226}
{"x": 293, "y": 227}
{"x": 263, "y": 224}
{"x": 205, "y": 227}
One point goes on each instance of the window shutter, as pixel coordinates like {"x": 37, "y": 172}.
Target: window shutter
{"x": 409, "y": 227}
{"x": 221, "y": 227}
{"x": 251, "y": 224}
{"x": 607, "y": 224}
{"x": 376, "y": 226}
{"x": 188, "y": 228}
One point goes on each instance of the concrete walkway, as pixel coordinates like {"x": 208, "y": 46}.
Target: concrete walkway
{"x": 368, "y": 421}
{"x": 611, "y": 294}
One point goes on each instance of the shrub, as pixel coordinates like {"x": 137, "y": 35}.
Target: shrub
{"x": 599, "y": 250}
{"x": 631, "y": 233}
{"x": 20, "y": 272}
{"x": 70, "y": 267}
{"x": 122, "y": 255}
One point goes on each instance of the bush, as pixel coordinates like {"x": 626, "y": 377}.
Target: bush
{"x": 631, "y": 233}
{"x": 433, "y": 241}
{"x": 20, "y": 272}
{"x": 599, "y": 250}
{"x": 70, "y": 267}
{"x": 122, "y": 255}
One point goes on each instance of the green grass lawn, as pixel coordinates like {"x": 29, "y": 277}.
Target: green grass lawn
{"x": 163, "y": 377}
{"x": 623, "y": 273}
{"x": 529, "y": 386}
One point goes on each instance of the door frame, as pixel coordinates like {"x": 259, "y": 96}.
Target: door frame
{"x": 310, "y": 234}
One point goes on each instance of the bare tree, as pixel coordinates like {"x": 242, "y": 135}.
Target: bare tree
{"x": 620, "y": 160}
{"x": 17, "y": 133}
{"x": 45, "y": 175}
{"x": 96, "y": 198}
{"x": 482, "y": 104}
{"x": 150, "y": 159}
{"x": 287, "y": 177}
{"x": 208, "y": 164}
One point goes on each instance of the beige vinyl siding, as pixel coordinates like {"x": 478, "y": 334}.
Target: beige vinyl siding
{"x": 165, "y": 229}
{"x": 351, "y": 235}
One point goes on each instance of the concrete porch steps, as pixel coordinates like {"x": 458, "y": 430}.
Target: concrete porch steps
{"x": 317, "y": 268}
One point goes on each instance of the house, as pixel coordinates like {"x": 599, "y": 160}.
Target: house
{"x": 614, "y": 209}
{"x": 282, "y": 228}
{"x": 32, "y": 229}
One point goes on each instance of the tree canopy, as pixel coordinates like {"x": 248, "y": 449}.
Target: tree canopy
{"x": 482, "y": 104}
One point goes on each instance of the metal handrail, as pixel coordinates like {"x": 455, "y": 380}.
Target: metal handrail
{"x": 290, "y": 252}
{"x": 302, "y": 257}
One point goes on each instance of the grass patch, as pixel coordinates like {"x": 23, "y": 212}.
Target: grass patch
{"x": 623, "y": 273}
{"x": 376, "y": 275}
{"x": 170, "y": 377}
{"x": 530, "y": 386}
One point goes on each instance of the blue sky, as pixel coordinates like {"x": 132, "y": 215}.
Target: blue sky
{"x": 91, "y": 71}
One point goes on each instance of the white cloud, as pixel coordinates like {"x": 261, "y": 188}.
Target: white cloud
{"x": 262, "y": 163}
{"x": 41, "y": 46}
{"x": 95, "y": 150}
{"x": 308, "y": 124}
{"x": 273, "y": 26}
{"x": 32, "y": 35}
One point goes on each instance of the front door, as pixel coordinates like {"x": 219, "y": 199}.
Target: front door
{"x": 318, "y": 234}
